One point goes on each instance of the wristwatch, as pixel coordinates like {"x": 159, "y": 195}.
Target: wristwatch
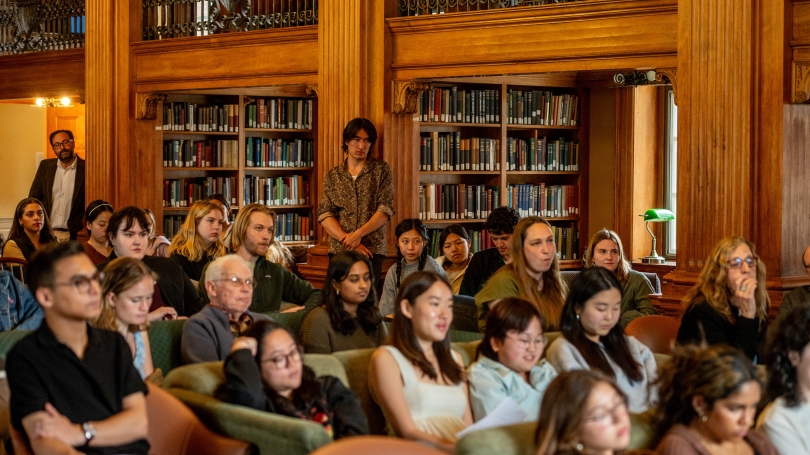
{"x": 89, "y": 432}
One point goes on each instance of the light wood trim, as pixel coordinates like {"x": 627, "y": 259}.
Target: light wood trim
{"x": 51, "y": 74}
{"x": 563, "y": 37}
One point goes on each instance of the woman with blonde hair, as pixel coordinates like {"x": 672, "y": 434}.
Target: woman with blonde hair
{"x": 533, "y": 274}
{"x": 126, "y": 295}
{"x": 157, "y": 245}
{"x": 605, "y": 250}
{"x": 729, "y": 303}
{"x": 198, "y": 242}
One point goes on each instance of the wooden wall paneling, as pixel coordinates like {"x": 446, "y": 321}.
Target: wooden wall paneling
{"x": 645, "y": 163}
{"x": 585, "y": 167}
{"x": 796, "y": 190}
{"x": 574, "y": 36}
{"x": 265, "y": 57}
{"x": 43, "y": 74}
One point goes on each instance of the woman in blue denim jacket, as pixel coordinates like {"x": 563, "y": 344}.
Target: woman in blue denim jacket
{"x": 19, "y": 310}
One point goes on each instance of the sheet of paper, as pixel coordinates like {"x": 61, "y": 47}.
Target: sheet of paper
{"x": 506, "y": 413}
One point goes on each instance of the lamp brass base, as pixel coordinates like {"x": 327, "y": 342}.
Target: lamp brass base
{"x": 653, "y": 260}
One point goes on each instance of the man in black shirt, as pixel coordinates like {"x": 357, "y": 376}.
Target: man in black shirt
{"x": 500, "y": 224}
{"x": 74, "y": 386}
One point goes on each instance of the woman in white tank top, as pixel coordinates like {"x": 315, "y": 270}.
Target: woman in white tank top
{"x": 419, "y": 381}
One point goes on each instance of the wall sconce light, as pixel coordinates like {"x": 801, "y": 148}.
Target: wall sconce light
{"x": 634, "y": 78}
{"x": 53, "y": 102}
{"x": 657, "y": 216}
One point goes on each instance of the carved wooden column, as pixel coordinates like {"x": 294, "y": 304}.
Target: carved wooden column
{"x": 100, "y": 93}
{"x": 731, "y": 154}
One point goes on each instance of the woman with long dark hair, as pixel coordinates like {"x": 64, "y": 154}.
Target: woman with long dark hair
{"x": 729, "y": 303}
{"x": 533, "y": 274}
{"x": 583, "y": 412}
{"x": 709, "y": 397}
{"x": 593, "y": 339}
{"x": 412, "y": 256}
{"x": 96, "y": 217}
{"x": 507, "y": 360}
{"x": 605, "y": 250}
{"x": 787, "y": 418}
{"x": 348, "y": 317}
{"x": 30, "y": 230}
{"x": 418, "y": 381}
{"x": 455, "y": 246}
{"x": 265, "y": 371}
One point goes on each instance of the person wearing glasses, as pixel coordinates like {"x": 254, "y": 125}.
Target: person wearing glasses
{"x": 593, "y": 339}
{"x": 208, "y": 335}
{"x": 73, "y": 386}
{"x": 59, "y": 184}
{"x": 583, "y": 412}
{"x": 507, "y": 360}
{"x": 709, "y": 399}
{"x": 264, "y": 371}
{"x": 252, "y": 234}
{"x": 800, "y": 295}
{"x": 358, "y": 198}
{"x": 729, "y": 302}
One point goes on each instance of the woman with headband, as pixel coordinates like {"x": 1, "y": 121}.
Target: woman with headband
{"x": 96, "y": 216}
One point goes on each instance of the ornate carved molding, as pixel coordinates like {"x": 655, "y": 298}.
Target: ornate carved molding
{"x": 672, "y": 75}
{"x": 801, "y": 83}
{"x": 146, "y": 105}
{"x": 312, "y": 89}
{"x": 406, "y": 96}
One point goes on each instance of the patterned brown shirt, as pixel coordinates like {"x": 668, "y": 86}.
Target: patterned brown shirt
{"x": 352, "y": 202}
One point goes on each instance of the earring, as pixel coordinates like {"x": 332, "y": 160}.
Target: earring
{"x": 577, "y": 317}
{"x": 338, "y": 293}
{"x": 580, "y": 447}
{"x": 704, "y": 418}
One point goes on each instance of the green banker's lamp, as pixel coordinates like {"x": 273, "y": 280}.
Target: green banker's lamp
{"x": 655, "y": 216}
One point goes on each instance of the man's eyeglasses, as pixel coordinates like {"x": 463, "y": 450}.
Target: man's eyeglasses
{"x": 238, "y": 282}
{"x": 525, "y": 342}
{"x": 59, "y": 145}
{"x": 357, "y": 139}
{"x": 737, "y": 263}
{"x": 83, "y": 284}
{"x": 283, "y": 361}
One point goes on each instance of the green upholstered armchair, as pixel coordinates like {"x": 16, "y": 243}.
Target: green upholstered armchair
{"x": 270, "y": 433}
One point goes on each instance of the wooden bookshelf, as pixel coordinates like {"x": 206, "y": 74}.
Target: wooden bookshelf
{"x": 250, "y": 180}
{"x": 566, "y": 133}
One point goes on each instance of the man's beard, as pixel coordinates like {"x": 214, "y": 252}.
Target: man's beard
{"x": 254, "y": 249}
{"x": 67, "y": 160}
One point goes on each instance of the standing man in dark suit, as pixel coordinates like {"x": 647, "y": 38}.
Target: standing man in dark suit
{"x": 59, "y": 184}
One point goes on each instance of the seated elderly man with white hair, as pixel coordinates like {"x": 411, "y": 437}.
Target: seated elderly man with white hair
{"x": 208, "y": 335}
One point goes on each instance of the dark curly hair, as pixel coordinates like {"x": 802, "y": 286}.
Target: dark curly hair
{"x": 502, "y": 220}
{"x": 586, "y": 284}
{"x": 790, "y": 336}
{"x": 368, "y": 317}
{"x": 713, "y": 372}
{"x": 403, "y": 227}
{"x": 355, "y": 125}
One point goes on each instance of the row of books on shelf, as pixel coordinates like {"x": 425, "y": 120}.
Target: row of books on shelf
{"x": 449, "y": 152}
{"x": 567, "y": 241}
{"x": 289, "y": 190}
{"x": 280, "y": 113}
{"x": 276, "y": 152}
{"x": 210, "y": 153}
{"x": 183, "y": 116}
{"x": 542, "y": 154}
{"x": 290, "y": 227}
{"x": 479, "y": 240}
{"x": 456, "y": 201}
{"x": 183, "y": 192}
{"x": 449, "y": 104}
{"x": 541, "y": 107}
{"x": 542, "y": 200}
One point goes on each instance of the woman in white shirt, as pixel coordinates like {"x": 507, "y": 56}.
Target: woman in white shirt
{"x": 787, "y": 419}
